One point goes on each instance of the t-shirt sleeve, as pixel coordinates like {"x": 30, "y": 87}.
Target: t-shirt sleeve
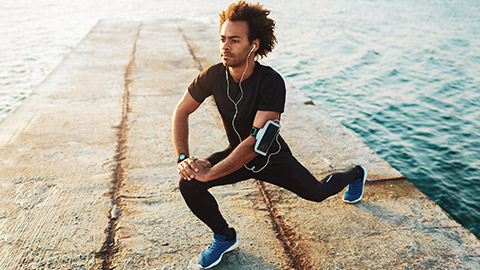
{"x": 273, "y": 94}
{"x": 200, "y": 88}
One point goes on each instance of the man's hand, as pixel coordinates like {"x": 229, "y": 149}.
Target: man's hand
{"x": 187, "y": 168}
{"x": 203, "y": 168}
{"x": 194, "y": 168}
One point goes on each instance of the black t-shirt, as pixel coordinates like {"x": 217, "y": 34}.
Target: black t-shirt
{"x": 264, "y": 90}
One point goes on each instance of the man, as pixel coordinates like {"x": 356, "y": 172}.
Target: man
{"x": 247, "y": 95}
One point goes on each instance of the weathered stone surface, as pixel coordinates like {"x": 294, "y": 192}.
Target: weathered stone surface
{"x": 91, "y": 149}
{"x": 57, "y": 154}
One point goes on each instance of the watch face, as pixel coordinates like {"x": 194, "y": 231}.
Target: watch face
{"x": 181, "y": 157}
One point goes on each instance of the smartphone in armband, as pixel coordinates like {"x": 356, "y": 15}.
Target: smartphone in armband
{"x": 266, "y": 136}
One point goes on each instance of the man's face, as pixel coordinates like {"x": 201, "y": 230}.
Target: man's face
{"x": 234, "y": 44}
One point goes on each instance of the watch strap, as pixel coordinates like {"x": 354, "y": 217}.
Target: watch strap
{"x": 254, "y": 131}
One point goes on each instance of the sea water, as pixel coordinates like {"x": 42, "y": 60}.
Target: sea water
{"x": 404, "y": 75}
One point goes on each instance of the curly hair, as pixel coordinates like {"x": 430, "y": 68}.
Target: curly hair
{"x": 259, "y": 25}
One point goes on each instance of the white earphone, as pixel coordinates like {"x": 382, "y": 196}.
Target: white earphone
{"x": 254, "y": 46}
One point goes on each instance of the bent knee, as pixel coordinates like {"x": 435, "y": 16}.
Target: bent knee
{"x": 189, "y": 186}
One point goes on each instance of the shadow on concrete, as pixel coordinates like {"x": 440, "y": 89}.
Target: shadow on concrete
{"x": 426, "y": 238}
{"x": 411, "y": 222}
{"x": 238, "y": 260}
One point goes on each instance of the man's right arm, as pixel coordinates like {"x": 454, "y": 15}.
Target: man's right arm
{"x": 185, "y": 107}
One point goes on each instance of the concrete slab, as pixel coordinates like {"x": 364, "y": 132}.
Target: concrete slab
{"x": 395, "y": 226}
{"x": 89, "y": 181}
{"x": 56, "y": 157}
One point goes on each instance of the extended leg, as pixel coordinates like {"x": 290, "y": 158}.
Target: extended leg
{"x": 287, "y": 172}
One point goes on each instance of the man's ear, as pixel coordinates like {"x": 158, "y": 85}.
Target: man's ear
{"x": 256, "y": 42}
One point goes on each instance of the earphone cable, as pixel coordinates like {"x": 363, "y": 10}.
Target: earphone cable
{"x": 235, "y": 104}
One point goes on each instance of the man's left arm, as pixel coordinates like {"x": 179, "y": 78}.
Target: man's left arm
{"x": 240, "y": 156}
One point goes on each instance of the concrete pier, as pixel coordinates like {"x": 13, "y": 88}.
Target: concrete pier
{"x": 88, "y": 174}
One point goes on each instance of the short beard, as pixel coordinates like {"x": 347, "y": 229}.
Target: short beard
{"x": 233, "y": 65}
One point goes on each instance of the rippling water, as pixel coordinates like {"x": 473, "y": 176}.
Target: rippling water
{"x": 404, "y": 75}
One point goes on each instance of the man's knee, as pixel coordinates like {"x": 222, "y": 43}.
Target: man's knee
{"x": 189, "y": 186}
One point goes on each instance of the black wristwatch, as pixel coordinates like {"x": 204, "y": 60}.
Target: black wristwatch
{"x": 182, "y": 157}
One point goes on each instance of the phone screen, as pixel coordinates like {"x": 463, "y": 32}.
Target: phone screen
{"x": 268, "y": 138}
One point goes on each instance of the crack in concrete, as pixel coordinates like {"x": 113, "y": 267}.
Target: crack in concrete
{"x": 109, "y": 248}
{"x": 378, "y": 179}
{"x": 134, "y": 197}
{"x": 190, "y": 49}
{"x": 286, "y": 235}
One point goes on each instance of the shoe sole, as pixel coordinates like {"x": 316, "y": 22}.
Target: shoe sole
{"x": 364, "y": 179}
{"x": 234, "y": 246}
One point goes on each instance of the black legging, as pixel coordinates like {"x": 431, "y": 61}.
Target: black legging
{"x": 283, "y": 170}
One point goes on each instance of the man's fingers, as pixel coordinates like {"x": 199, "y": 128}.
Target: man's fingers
{"x": 185, "y": 171}
{"x": 185, "y": 175}
{"x": 182, "y": 175}
{"x": 190, "y": 169}
{"x": 187, "y": 168}
{"x": 191, "y": 162}
{"x": 188, "y": 173}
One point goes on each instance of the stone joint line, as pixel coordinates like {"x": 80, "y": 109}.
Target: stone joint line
{"x": 286, "y": 235}
{"x": 109, "y": 248}
{"x": 190, "y": 49}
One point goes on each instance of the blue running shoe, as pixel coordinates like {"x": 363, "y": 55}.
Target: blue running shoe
{"x": 354, "y": 191}
{"x": 212, "y": 255}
